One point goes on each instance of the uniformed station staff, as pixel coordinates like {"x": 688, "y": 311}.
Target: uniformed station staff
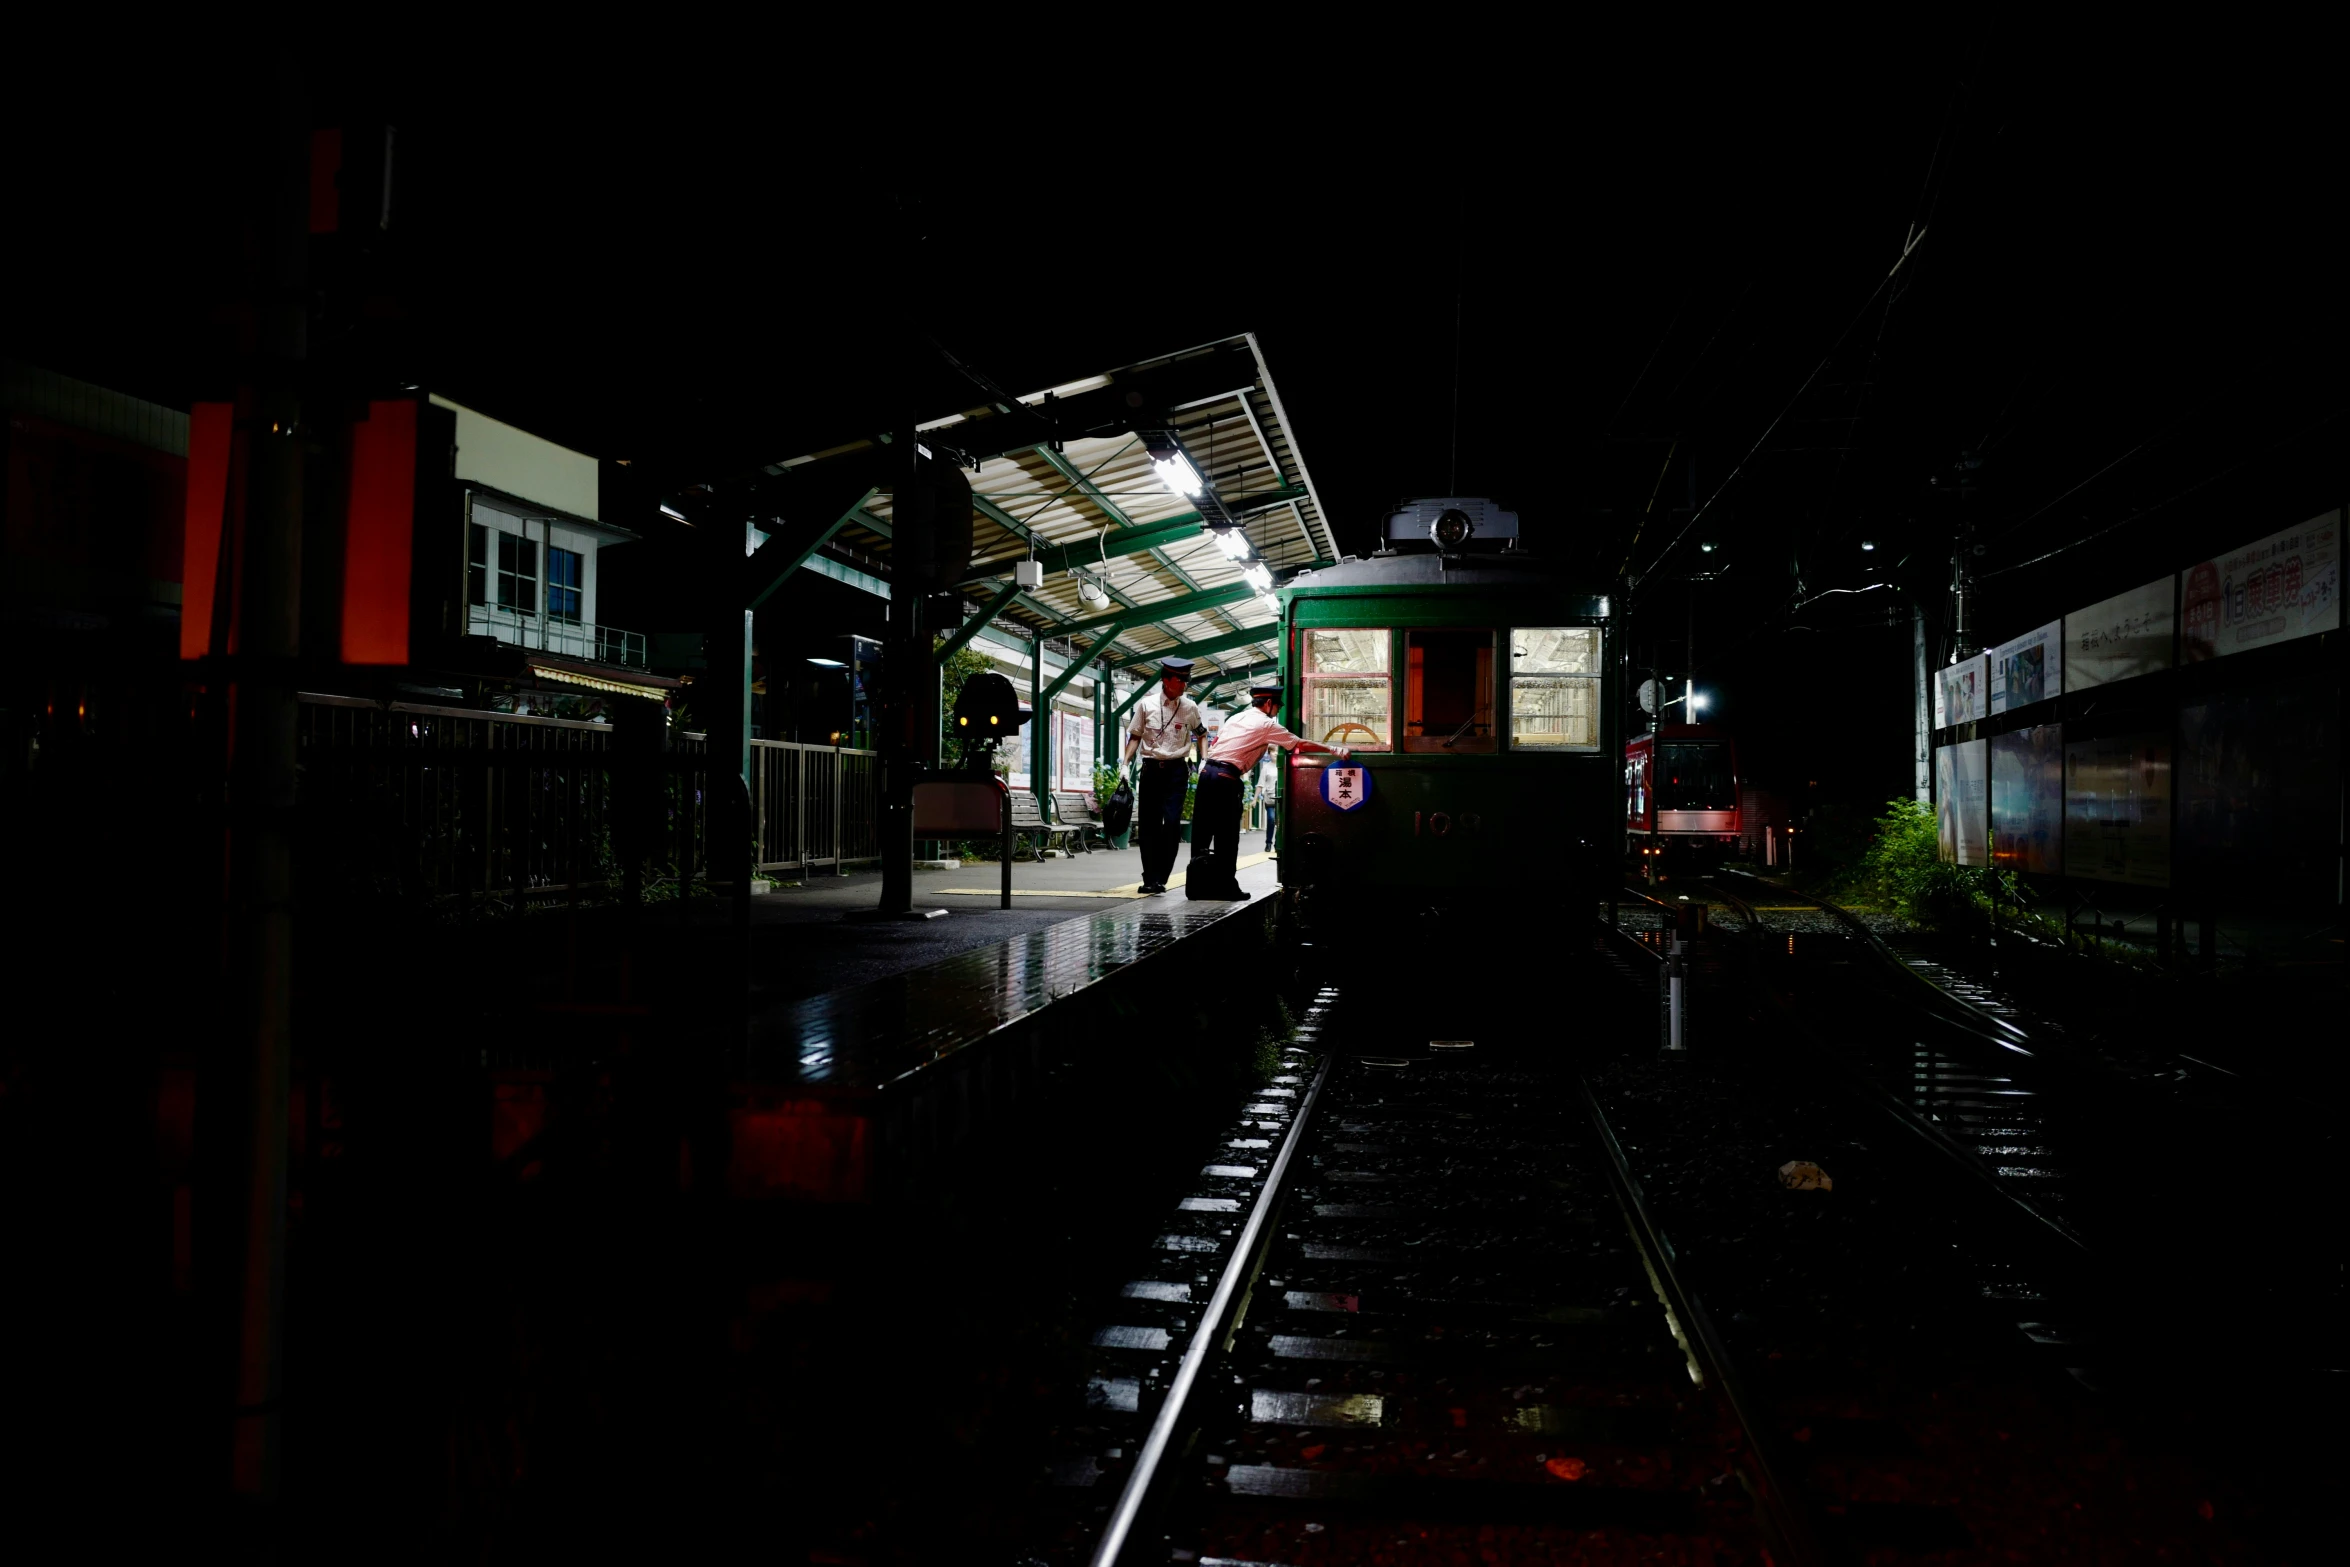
{"x": 1170, "y": 734}
{"x": 1215, "y": 810}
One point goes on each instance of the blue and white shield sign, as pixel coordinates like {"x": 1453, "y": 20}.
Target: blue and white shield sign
{"x": 1346, "y": 788}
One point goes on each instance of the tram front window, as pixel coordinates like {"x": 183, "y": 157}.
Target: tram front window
{"x": 1448, "y": 691}
{"x": 1695, "y": 777}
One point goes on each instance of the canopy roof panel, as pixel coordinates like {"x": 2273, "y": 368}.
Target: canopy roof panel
{"x": 1088, "y": 504}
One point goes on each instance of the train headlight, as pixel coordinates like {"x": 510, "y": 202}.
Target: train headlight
{"x": 1452, "y": 528}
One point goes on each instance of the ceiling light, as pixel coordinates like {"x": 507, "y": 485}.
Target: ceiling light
{"x": 1232, "y": 542}
{"x": 1272, "y": 604}
{"x": 828, "y": 663}
{"x": 1868, "y": 544}
{"x": 1093, "y": 593}
{"x": 1708, "y": 548}
{"x": 668, "y": 510}
{"x": 1258, "y": 577}
{"x": 1176, "y": 474}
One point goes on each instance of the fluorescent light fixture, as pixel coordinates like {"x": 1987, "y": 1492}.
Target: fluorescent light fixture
{"x": 828, "y": 663}
{"x": 1868, "y": 544}
{"x": 1272, "y": 604}
{"x": 1708, "y": 548}
{"x": 1232, "y": 542}
{"x": 1258, "y": 577}
{"x": 1176, "y": 474}
{"x": 668, "y": 510}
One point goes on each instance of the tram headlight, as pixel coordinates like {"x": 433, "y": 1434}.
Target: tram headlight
{"x": 1452, "y": 528}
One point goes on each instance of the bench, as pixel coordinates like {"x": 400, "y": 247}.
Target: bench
{"x": 1028, "y": 821}
{"x": 1078, "y": 810}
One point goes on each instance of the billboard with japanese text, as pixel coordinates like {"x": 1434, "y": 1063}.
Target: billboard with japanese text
{"x": 2027, "y": 800}
{"x": 2285, "y": 586}
{"x": 2121, "y": 637}
{"x": 1961, "y": 817}
{"x": 2029, "y": 668}
{"x": 2117, "y": 810}
{"x": 1962, "y": 693}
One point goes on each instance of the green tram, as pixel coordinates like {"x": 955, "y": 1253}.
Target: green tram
{"x": 1473, "y": 682}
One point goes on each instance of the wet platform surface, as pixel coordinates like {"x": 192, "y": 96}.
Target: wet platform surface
{"x": 862, "y": 1037}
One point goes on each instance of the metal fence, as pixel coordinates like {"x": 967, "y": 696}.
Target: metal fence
{"x": 451, "y": 805}
{"x": 815, "y": 805}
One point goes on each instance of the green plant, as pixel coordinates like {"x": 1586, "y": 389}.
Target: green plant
{"x": 1105, "y": 781}
{"x": 1190, "y": 793}
{"x": 1903, "y": 866}
{"x": 952, "y": 674}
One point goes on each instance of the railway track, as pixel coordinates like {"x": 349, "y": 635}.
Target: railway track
{"x": 1440, "y": 1327}
{"x": 1507, "y": 1292}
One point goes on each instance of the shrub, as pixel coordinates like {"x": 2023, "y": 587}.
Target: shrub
{"x": 1904, "y": 867}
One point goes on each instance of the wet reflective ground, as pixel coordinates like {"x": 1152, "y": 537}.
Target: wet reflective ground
{"x": 2121, "y": 1160}
{"x": 1453, "y": 1346}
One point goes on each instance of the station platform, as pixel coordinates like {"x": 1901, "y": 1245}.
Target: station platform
{"x": 875, "y": 1049}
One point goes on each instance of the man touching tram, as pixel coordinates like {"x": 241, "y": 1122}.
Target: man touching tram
{"x": 1215, "y": 810}
{"x": 1168, "y": 731}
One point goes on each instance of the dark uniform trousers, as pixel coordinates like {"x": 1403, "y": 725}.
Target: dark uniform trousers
{"x": 1158, "y": 817}
{"x": 1215, "y": 834}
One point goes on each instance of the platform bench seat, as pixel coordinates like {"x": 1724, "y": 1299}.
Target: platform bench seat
{"x": 1077, "y": 809}
{"x": 1028, "y": 822}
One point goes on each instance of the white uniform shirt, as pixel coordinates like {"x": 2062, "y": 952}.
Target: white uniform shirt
{"x": 1247, "y": 735}
{"x": 1165, "y": 729}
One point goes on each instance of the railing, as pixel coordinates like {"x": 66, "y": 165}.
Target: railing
{"x": 451, "y": 805}
{"x": 816, "y": 805}
{"x": 572, "y": 639}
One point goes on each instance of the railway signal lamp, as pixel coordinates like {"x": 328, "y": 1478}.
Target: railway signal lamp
{"x": 987, "y": 709}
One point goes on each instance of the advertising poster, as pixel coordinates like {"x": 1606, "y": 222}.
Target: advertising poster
{"x": 2027, "y": 800}
{"x": 2117, "y": 810}
{"x": 1076, "y": 751}
{"x": 2256, "y": 770}
{"x": 1961, "y": 814}
{"x": 2029, "y": 668}
{"x": 1962, "y": 693}
{"x": 2121, "y": 637}
{"x": 2280, "y": 588}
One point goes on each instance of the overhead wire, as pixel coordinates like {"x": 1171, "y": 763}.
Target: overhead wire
{"x": 2168, "y": 500}
{"x": 1908, "y": 248}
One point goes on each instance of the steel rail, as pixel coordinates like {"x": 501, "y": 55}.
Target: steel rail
{"x": 1924, "y": 1128}
{"x": 1995, "y": 1029}
{"x": 1782, "y": 1512}
{"x": 1207, "y": 1338}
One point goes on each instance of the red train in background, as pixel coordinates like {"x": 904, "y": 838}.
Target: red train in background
{"x": 1681, "y": 792}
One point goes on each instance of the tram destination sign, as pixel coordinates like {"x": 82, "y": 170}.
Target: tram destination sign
{"x": 1346, "y": 788}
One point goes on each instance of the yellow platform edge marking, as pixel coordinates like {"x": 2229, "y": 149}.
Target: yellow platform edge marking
{"x": 1132, "y": 889}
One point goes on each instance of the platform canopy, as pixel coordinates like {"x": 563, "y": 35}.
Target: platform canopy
{"x": 1072, "y": 476}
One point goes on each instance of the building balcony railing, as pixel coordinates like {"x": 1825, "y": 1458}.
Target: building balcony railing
{"x": 571, "y": 638}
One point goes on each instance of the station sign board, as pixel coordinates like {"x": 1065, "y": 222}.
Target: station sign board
{"x": 2029, "y": 668}
{"x": 2121, "y": 637}
{"x": 2285, "y": 586}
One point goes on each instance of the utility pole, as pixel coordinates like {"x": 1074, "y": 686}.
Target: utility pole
{"x": 1921, "y": 717}
{"x": 258, "y": 854}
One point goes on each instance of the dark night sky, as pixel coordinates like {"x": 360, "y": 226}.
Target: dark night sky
{"x": 2130, "y": 258}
